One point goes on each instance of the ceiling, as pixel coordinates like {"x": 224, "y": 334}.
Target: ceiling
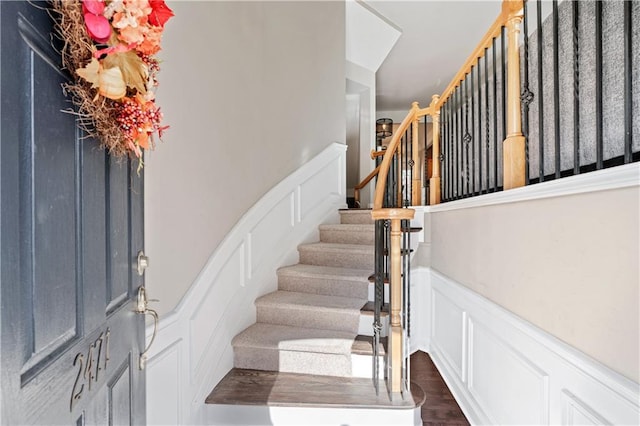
{"x": 437, "y": 37}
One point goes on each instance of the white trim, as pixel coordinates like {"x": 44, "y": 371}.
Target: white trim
{"x": 192, "y": 350}
{"x": 601, "y": 180}
{"x": 510, "y": 370}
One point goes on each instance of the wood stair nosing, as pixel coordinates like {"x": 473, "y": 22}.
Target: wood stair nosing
{"x": 276, "y": 389}
{"x": 369, "y": 307}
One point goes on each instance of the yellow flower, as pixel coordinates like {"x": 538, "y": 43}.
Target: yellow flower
{"x": 109, "y": 82}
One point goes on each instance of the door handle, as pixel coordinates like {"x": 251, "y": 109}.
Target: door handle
{"x": 143, "y": 309}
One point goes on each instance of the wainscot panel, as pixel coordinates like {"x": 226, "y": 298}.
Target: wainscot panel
{"x": 503, "y": 370}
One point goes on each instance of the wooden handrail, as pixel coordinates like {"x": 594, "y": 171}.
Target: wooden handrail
{"x": 375, "y": 154}
{"x": 510, "y": 8}
{"x": 365, "y": 182}
{"x": 388, "y": 156}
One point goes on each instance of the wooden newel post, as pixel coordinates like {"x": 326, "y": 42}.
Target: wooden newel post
{"x": 434, "y": 181}
{"x": 396, "y": 333}
{"x": 514, "y": 145}
{"x": 416, "y": 184}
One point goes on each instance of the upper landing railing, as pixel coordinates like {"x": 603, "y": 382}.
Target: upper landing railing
{"x": 525, "y": 107}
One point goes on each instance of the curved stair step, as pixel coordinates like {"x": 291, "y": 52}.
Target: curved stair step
{"x": 328, "y": 280}
{"x": 348, "y": 233}
{"x": 294, "y": 349}
{"x": 357, "y": 256}
{"x": 310, "y": 310}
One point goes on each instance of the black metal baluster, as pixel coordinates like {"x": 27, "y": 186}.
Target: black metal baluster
{"x": 556, "y": 89}
{"x": 450, "y": 150}
{"x": 444, "y": 153}
{"x": 526, "y": 97}
{"x": 466, "y": 138}
{"x": 599, "y": 113}
{"x": 503, "y": 51}
{"x": 540, "y": 94}
{"x": 454, "y": 140}
{"x": 486, "y": 115}
{"x": 460, "y": 143}
{"x": 576, "y": 90}
{"x": 471, "y": 133}
{"x": 628, "y": 88}
{"x": 495, "y": 120}
{"x": 378, "y": 299}
{"x": 479, "y": 128}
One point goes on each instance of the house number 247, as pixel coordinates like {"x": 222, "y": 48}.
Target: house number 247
{"x": 89, "y": 367}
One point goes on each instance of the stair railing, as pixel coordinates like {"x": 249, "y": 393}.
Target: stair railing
{"x": 399, "y": 185}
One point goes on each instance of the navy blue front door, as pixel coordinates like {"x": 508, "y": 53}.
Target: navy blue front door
{"x": 72, "y": 221}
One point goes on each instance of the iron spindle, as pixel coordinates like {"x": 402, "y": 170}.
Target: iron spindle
{"x": 495, "y": 115}
{"x": 556, "y": 89}
{"x": 599, "y": 113}
{"x": 479, "y": 128}
{"x": 486, "y": 115}
{"x": 472, "y": 133}
{"x": 503, "y": 52}
{"x": 540, "y": 94}
{"x": 526, "y": 96}
{"x": 628, "y": 88}
{"x": 576, "y": 89}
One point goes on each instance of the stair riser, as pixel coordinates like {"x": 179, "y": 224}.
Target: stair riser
{"x": 235, "y": 415}
{"x": 292, "y": 361}
{"x": 347, "y": 237}
{"x": 306, "y": 362}
{"x": 371, "y": 292}
{"x": 356, "y": 217}
{"x": 320, "y": 285}
{"x": 365, "y": 328}
{"x": 309, "y": 318}
{"x": 337, "y": 258}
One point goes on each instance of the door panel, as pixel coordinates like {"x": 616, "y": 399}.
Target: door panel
{"x": 71, "y": 229}
{"x": 118, "y": 230}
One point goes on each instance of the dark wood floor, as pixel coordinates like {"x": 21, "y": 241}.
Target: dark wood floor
{"x": 440, "y": 408}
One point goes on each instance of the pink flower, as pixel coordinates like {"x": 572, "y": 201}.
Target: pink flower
{"x": 98, "y": 26}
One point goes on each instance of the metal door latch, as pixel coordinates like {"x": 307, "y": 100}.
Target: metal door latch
{"x": 143, "y": 309}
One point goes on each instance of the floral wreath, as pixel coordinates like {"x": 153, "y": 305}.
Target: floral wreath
{"x": 109, "y": 47}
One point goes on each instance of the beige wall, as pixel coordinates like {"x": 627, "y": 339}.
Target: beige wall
{"x": 252, "y": 91}
{"x": 569, "y": 265}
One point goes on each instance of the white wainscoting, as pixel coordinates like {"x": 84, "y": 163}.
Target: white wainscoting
{"x": 192, "y": 350}
{"x": 503, "y": 370}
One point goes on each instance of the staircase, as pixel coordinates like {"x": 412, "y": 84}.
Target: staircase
{"x": 314, "y": 333}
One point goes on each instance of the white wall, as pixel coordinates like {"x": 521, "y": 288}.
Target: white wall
{"x": 567, "y": 264}
{"x": 527, "y": 300}
{"x": 362, "y": 82}
{"x": 192, "y": 351}
{"x": 251, "y": 90}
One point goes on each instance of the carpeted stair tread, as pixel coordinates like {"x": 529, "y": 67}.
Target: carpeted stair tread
{"x": 361, "y": 216}
{"x": 310, "y": 310}
{"x": 284, "y": 337}
{"x": 358, "y": 256}
{"x": 348, "y": 233}
{"x": 317, "y": 279}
